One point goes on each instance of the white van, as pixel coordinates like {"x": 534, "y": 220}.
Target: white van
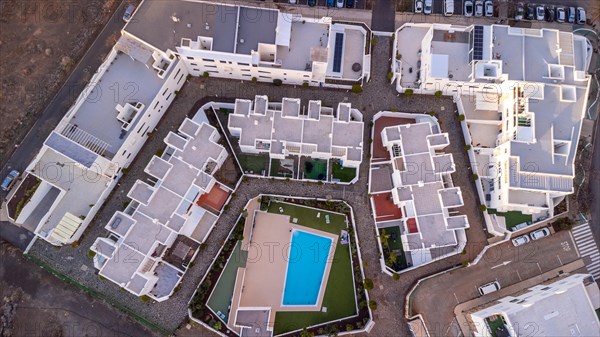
{"x": 448, "y": 7}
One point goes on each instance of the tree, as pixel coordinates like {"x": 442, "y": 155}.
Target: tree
{"x": 306, "y": 333}
{"x": 392, "y": 258}
{"x": 368, "y": 284}
{"x": 384, "y": 237}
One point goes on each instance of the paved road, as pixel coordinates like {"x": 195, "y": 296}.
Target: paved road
{"x": 383, "y": 17}
{"x": 49, "y": 118}
{"x": 436, "y": 298}
{"x": 595, "y": 186}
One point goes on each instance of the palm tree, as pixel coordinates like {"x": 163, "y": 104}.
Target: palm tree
{"x": 384, "y": 237}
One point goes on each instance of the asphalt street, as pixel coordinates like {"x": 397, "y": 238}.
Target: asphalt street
{"x": 383, "y": 17}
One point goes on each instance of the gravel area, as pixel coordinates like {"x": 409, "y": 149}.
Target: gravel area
{"x": 378, "y": 95}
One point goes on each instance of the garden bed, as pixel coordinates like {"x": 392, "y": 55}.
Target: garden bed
{"x": 23, "y": 195}
{"x": 343, "y": 174}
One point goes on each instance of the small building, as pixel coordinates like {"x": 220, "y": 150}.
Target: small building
{"x": 561, "y": 307}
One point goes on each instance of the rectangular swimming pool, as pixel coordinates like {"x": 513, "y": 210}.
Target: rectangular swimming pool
{"x": 308, "y": 256}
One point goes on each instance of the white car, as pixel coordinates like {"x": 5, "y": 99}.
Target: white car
{"x": 540, "y": 13}
{"x": 540, "y": 233}
{"x": 489, "y": 288}
{"x": 520, "y": 240}
{"x": 580, "y": 16}
{"x": 428, "y": 7}
{"x": 419, "y": 6}
{"x": 468, "y": 8}
{"x": 339, "y": 3}
{"x": 478, "y": 7}
{"x": 489, "y": 8}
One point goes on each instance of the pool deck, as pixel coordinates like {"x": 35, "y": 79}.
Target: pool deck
{"x": 261, "y": 284}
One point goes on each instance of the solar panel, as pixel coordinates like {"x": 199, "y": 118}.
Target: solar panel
{"x": 337, "y": 52}
{"x": 478, "y": 43}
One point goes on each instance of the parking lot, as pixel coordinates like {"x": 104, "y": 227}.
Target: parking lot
{"x": 438, "y": 6}
{"x": 359, "y": 4}
{"x": 436, "y": 298}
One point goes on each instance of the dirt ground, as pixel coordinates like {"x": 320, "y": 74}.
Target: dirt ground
{"x": 40, "y": 43}
{"x": 35, "y": 303}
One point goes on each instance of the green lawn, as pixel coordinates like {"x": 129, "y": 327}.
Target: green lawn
{"x": 393, "y": 232}
{"x": 344, "y": 174}
{"x": 339, "y": 292}
{"x": 513, "y": 218}
{"x": 253, "y": 163}
{"x": 275, "y": 164}
{"x": 221, "y": 296}
{"x": 315, "y": 169}
{"x": 308, "y": 217}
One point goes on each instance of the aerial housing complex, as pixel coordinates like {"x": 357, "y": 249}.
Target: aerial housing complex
{"x": 165, "y": 42}
{"x": 169, "y": 216}
{"x": 286, "y": 128}
{"x": 523, "y": 93}
{"x": 412, "y": 193}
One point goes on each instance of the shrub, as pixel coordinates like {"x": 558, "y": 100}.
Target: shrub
{"x": 357, "y": 88}
{"x": 396, "y": 277}
{"x": 398, "y": 56}
{"x": 438, "y": 93}
{"x": 217, "y": 326}
{"x": 305, "y": 85}
{"x": 408, "y": 92}
{"x": 368, "y": 284}
{"x": 461, "y": 117}
{"x": 390, "y": 75}
{"x": 465, "y": 263}
{"x": 125, "y": 170}
{"x": 125, "y": 204}
{"x": 349, "y": 327}
{"x": 372, "y": 305}
{"x": 91, "y": 253}
{"x": 159, "y": 152}
{"x": 431, "y": 113}
{"x": 205, "y": 74}
{"x": 277, "y": 82}
{"x": 102, "y": 278}
{"x": 254, "y": 79}
{"x": 482, "y": 208}
{"x": 474, "y": 177}
{"x": 373, "y": 41}
{"x": 467, "y": 147}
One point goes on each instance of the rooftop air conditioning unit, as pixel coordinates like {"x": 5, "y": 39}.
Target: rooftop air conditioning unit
{"x": 241, "y": 40}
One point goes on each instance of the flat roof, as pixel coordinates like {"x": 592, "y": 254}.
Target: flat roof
{"x": 164, "y": 23}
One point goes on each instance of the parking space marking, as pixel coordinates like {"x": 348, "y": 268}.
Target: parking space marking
{"x": 519, "y": 275}
{"x": 456, "y": 297}
{"x": 559, "y": 260}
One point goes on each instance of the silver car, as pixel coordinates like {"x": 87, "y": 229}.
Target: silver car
{"x": 520, "y": 240}
{"x": 540, "y": 233}
{"x": 468, "y": 8}
{"x": 419, "y": 6}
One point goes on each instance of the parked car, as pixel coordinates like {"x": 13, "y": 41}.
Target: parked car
{"x": 293, "y": 2}
{"x": 489, "y": 8}
{"x": 489, "y": 288}
{"x": 550, "y": 14}
{"x": 428, "y": 7}
{"x": 540, "y": 233}
{"x": 571, "y": 14}
{"x": 448, "y": 7}
{"x": 561, "y": 14}
{"x": 419, "y": 6}
{"x": 339, "y": 3}
{"x": 468, "y": 8}
{"x": 128, "y": 13}
{"x": 520, "y": 240}
{"x": 540, "y": 13}
{"x": 349, "y": 3}
{"x": 478, "y": 7}
{"x": 312, "y": 3}
{"x": 9, "y": 180}
{"x": 530, "y": 12}
{"x": 580, "y": 16}
{"x": 520, "y": 12}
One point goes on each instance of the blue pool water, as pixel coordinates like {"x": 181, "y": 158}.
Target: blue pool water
{"x": 306, "y": 265}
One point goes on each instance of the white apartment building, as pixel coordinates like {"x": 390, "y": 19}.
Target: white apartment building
{"x": 151, "y": 244}
{"x": 243, "y": 42}
{"x": 564, "y": 307}
{"x": 288, "y": 129}
{"x": 523, "y": 93}
{"x": 411, "y": 188}
{"x": 81, "y": 161}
